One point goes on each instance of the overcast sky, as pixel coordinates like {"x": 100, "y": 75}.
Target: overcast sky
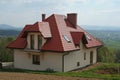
{"x": 90, "y": 12}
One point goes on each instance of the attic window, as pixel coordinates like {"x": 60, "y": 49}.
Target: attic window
{"x": 67, "y": 38}
{"x": 88, "y": 37}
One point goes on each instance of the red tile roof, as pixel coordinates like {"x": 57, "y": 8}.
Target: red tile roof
{"x": 42, "y": 27}
{"x": 53, "y": 29}
{"x": 77, "y": 37}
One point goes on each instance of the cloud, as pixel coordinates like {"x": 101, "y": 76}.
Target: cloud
{"x": 28, "y": 11}
{"x": 18, "y": 1}
{"x": 105, "y": 12}
{"x": 44, "y": 1}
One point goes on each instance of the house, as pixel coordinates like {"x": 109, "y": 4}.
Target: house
{"x": 56, "y": 43}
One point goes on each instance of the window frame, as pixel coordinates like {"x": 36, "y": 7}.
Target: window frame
{"x": 78, "y": 63}
{"x": 32, "y": 42}
{"x": 88, "y": 36}
{"x": 36, "y": 59}
{"x": 39, "y": 41}
{"x": 84, "y": 55}
{"x": 67, "y": 38}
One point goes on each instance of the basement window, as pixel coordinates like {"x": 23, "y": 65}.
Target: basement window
{"x": 36, "y": 59}
{"x": 67, "y": 38}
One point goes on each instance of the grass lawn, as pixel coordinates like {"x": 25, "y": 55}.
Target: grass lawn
{"x": 91, "y": 73}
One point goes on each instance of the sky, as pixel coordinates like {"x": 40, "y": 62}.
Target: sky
{"x": 18, "y": 13}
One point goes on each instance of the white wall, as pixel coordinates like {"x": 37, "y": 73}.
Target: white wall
{"x": 53, "y": 60}
{"x": 50, "y": 60}
{"x": 70, "y": 60}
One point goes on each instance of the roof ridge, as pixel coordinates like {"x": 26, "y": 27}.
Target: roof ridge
{"x": 58, "y": 31}
{"x": 63, "y": 30}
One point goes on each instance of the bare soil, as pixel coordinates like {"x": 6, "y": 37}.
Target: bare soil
{"x": 28, "y": 76}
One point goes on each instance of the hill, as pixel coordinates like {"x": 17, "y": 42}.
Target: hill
{"x": 8, "y": 30}
{"x": 6, "y": 33}
{"x": 110, "y": 38}
{"x": 6, "y": 27}
{"x": 95, "y": 27}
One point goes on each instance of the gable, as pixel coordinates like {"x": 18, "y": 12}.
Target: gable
{"x": 77, "y": 37}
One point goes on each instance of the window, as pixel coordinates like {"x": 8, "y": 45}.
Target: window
{"x": 39, "y": 41}
{"x": 84, "y": 56}
{"x": 66, "y": 38}
{"x": 88, "y": 37}
{"x": 31, "y": 41}
{"x": 78, "y": 63}
{"x": 91, "y": 57}
{"x": 36, "y": 59}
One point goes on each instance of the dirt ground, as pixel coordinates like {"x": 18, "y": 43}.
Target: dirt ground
{"x": 28, "y": 76}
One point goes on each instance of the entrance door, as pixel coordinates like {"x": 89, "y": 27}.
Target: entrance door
{"x": 91, "y": 57}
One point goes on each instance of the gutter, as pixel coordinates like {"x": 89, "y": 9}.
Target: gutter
{"x": 63, "y": 60}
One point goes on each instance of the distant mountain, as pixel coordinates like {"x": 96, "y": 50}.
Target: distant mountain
{"x": 6, "y": 33}
{"x": 95, "y": 27}
{"x": 7, "y": 27}
{"x": 8, "y": 30}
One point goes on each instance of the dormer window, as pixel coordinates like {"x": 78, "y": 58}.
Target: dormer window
{"x": 34, "y": 41}
{"x": 31, "y": 41}
{"x": 67, "y": 38}
{"x": 39, "y": 41}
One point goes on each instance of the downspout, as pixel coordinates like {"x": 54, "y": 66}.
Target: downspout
{"x": 63, "y": 60}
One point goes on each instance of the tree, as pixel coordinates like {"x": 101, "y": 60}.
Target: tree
{"x": 105, "y": 55}
{"x": 6, "y": 54}
{"x": 117, "y": 56}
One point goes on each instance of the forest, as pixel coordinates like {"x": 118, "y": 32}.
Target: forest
{"x": 109, "y": 52}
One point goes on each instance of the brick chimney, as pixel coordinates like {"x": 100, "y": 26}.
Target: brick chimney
{"x": 72, "y": 18}
{"x": 43, "y": 17}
